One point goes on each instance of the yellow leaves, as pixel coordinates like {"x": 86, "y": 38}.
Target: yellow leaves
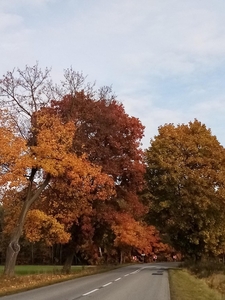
{"x": 53, "y": 152}
{"x": 186, "y": 175}
{"x": 39, "y": 226}
{"x": 11, "y": 150}
{"x": 49, "y": 149}
{"x": 52, "y": 149}
{"x": 164, "y": 204}
{"x": 12, "y": 205}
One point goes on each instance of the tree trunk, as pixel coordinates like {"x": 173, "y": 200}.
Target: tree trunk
{"x": 32, "y": 253}
{"x": 121, "y": 256}
{"x": 68, "y": 263}
{"x": 11, "y": 256}
{"x": 14, "y": 247}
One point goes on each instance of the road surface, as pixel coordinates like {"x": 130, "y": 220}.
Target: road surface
{"x": 134, "y": 282}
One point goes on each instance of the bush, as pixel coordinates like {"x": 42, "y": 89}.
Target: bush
{"x": 204, "y": 269}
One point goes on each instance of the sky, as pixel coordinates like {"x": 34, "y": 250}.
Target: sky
{"x": 165, "y": 59}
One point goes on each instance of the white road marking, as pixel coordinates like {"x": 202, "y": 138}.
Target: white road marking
{"x": 117, "y": 279}
{"x": 90, "y": 292}
{"x": 107, "y": 284}
{"x": 138, "y": 270}
{"x": 135, "y": 272}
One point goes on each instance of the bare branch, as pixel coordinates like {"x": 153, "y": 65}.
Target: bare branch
{"x": 23, "y": 92}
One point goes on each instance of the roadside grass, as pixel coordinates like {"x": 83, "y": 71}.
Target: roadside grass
{"x": 29, "y": 277}
{"x": 42, "y": 269}
{"x": 185, "y": 286}
{"x": 213, "y": 272}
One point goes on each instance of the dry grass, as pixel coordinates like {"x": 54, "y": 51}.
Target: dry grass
{"x": 22, "y": 283}
{"x": 213, "y": 273}
{"x": 184, "y": 286}
{"x": 217, "y": 281}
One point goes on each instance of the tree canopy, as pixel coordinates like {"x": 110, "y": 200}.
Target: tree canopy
{"x": 73, "y": 173}
{"x": 72, "y": 167}
{"x": 185, "y": 178}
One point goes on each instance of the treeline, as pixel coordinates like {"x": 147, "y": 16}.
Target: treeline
{"x": 71, "y": 169}
{"x": 76, "y": 186}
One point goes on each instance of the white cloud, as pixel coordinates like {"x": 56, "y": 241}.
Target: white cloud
{"x": 214, "y": 105}
{"x": 9, "y": 21}
{"x": 162, "y": 57}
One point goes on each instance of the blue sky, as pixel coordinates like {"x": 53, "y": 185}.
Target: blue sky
{"x": 165, "y": 59}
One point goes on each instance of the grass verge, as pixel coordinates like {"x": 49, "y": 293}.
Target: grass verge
{"x": 43, "y": 275}
{"x": 43, "y": 269}
{"x": 184, "y": 286}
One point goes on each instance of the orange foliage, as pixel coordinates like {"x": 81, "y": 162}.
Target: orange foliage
{"x": 39, "y": 226}
{"x": 131, "y": 233}
{"x": 52, "y": 149}
{"x": 11, "y": 151}
{"x": 75, "y": 180}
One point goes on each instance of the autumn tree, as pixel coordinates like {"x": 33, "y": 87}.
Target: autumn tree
{"x": 43, "y": 144}
{"x": 185, "y": 178}
{"x": 73, "y": 203}
{"x": 111, "y": 139}
{"x": 79, "y": 144}
{"x": 131, "y": 234}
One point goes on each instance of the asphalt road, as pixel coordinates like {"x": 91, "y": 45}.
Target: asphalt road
{"x": 135, "y": 282}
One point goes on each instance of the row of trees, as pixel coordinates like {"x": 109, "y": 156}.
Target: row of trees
{"x": 72, "y": 172}
{"x": 71, "y": 168}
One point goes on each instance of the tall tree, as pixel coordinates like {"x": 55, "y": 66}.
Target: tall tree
{"x": 185, "y": 177}
{"x": 82, "y": 140}
{"x": 45, "y": 152}
{"x": 111, "y": 139}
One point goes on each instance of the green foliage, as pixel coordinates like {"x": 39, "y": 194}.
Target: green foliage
{"x": 41, "y": 269}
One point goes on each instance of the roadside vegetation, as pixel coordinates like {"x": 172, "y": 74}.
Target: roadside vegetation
{"x": 185, "y": 286}
{"x": 29, "y": 277}
{"x": 44, "y": 269}
{"x": 202, "y": 281}
{"x": 212, "y": 272}
{"x": 198, "y": 281}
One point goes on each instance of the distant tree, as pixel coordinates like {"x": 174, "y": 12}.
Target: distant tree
{"x": 131, "y": 234}
{"x": 185, "y": 178}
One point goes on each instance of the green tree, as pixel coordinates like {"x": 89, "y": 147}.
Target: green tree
{"x": 185, "y": 179}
